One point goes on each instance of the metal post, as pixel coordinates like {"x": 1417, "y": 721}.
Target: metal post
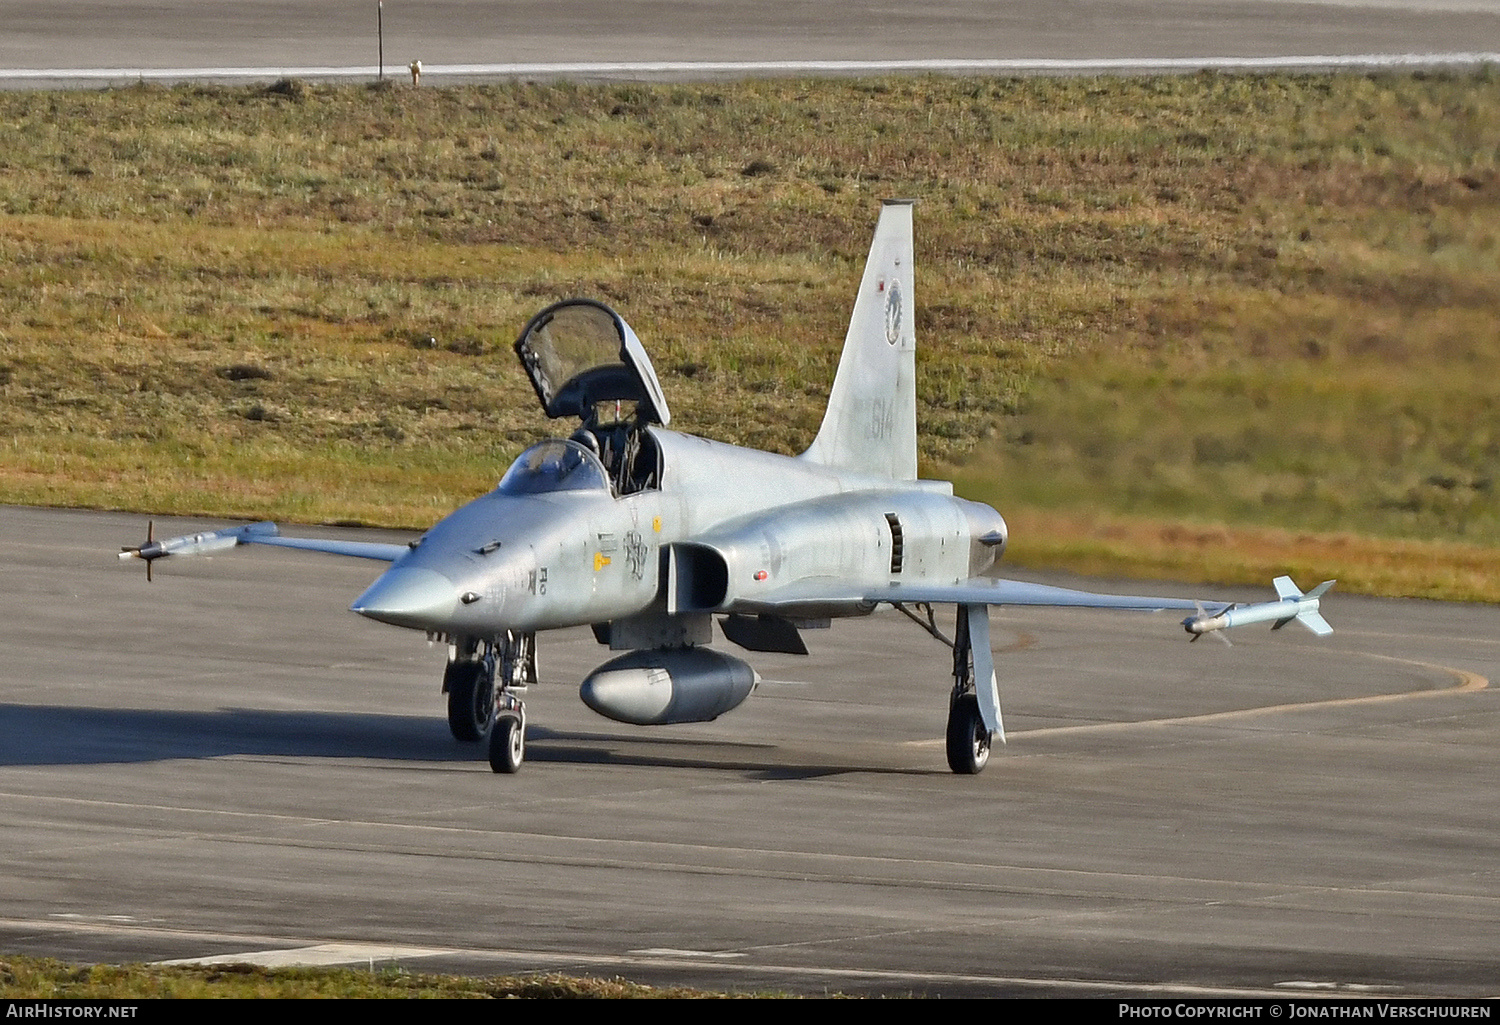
{"x": 380, "y": 34}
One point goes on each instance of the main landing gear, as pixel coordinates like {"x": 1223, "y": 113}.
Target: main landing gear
{"x": 968, "y": 737}
{"x": 469, "y": 682}
{"x": 484, "y": 682}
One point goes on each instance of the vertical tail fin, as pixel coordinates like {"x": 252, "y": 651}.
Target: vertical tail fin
{"x": 871, "y": 422}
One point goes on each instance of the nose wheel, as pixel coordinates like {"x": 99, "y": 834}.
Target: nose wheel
{"x": 514, "y": 661}
{"x": 508, "y": 739}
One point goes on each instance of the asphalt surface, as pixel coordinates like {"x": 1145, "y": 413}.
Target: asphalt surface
{"x": 115, "y": 41}
{"x": 227, "y": 763}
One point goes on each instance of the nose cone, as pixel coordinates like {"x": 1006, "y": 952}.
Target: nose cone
{"x": 410, "y": 596}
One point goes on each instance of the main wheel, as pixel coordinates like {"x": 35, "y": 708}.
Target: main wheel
{"x": 471, "y": 700}
{"x": 968, "y": 739}
{"x": 507, "y": 745}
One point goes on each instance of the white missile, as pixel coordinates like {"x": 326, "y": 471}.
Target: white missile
{"x": 1293, "y": 605}
{"x": 195, "y": 544}
{"x": 253, "y": 533}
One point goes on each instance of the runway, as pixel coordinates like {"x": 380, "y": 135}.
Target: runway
{"x": 87, "y": 42}
{"x": 228, "y": 763}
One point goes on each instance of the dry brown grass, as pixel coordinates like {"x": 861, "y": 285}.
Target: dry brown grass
{"x": 1253, "y": 300}
{"x": 1112, "y": 546}
{"x": 23, "y": 978}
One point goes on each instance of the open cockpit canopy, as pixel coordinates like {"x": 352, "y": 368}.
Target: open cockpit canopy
{"x": 580, "y": 354}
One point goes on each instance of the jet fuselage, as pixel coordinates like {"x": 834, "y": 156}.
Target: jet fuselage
{"x": 726, "y": 524}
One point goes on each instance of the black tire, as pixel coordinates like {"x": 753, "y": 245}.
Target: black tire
{"x": 507, "y": 745}
{"x": 471, "y": 700}
{"x": 968, "y": 740}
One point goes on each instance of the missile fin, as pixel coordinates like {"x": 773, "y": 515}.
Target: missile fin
{"x": 1321, "y": 589}
{"x": 1285, "y": 588}
{"x": 1315, "y": 622}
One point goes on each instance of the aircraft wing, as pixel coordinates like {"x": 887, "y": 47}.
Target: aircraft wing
{"x": 354, "y": 549}
{"x": 255, "y": 534}
{"x": 994, "y": 591}
{"x": 819, "y": 599}
{"x": 805, "y": 598}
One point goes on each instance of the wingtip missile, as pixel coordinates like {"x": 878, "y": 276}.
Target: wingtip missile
{"x": 150, "y": 551}
{"x": 193, "y": 544}
{"x": 1204, "y": 614}
{"x": 1293, "y": 604}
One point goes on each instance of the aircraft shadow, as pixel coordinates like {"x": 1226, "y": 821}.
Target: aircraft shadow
{"x": 55, "y": 735}
{"x": 757, "y": 760}
{"x": 68, "y": 735}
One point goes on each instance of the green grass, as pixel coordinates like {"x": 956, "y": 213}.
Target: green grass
{"x": 1214, "y": 305}
{"x": 34, "y": 978}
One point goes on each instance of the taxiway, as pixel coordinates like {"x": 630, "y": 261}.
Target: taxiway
{"x": 227, "y": 763}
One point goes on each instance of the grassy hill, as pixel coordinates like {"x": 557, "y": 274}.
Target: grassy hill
{"x": 1210, "y": 326}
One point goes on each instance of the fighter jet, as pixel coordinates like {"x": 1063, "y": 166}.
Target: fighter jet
{"x": 649, "y": 536}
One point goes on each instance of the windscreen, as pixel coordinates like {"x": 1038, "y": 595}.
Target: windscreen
{"x": 554, "y": 465}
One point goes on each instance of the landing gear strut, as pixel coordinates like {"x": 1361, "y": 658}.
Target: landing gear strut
{"x": 516, "y": 660}
{"x": 968, "y": 737}
{"x": 484, "y": 682}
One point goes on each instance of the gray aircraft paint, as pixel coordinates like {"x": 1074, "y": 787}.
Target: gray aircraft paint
{"x": 678, "y": 529}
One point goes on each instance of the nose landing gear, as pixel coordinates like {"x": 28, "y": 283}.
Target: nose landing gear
{"x": 508, "y": 739}
{"x": 516, "y": 662}
{"x": 484, "y": 682}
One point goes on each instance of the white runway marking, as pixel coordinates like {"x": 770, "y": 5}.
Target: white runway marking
{"x": 717, "y": 69}
{"x": 529, "y": 962}
{"x": 322, "y": 955}
{"x": 672, "y": 952}
{"x": 1465, "y": 683}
